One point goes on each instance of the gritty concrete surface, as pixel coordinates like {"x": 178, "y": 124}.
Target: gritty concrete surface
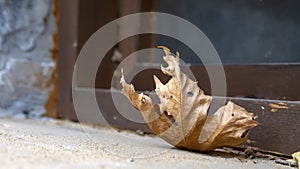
{"x": 62, "y": 144}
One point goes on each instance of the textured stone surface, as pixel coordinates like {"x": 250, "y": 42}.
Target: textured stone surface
{"x": 22, "y": 21}
{"x": 26, "y": 28}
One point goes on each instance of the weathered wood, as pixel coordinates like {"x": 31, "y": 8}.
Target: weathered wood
{"x": 93, "y": 14}
{"x": 78, "y": 20}
{"x": 279, "y": 128}
{"x": 67, "y": 37}
{"x": 269, "y": 81}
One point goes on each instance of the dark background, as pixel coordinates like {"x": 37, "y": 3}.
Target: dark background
{"x": 243, "y": 32}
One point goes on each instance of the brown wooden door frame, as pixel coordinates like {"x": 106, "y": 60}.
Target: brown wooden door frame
{"x": 67, "y": 52}
{"x": 279, "y": 119}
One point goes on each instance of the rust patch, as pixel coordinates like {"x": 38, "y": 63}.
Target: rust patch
{"x": 51, "y": 104}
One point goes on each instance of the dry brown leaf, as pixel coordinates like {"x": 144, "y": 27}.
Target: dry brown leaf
{"x": 181, "y": 117}
{"x": 296, "y": 157}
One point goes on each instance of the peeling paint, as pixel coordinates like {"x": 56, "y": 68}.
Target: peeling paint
{"x": 277, "y": 106}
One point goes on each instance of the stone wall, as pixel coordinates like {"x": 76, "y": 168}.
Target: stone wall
{"x": 26, "y": 29}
